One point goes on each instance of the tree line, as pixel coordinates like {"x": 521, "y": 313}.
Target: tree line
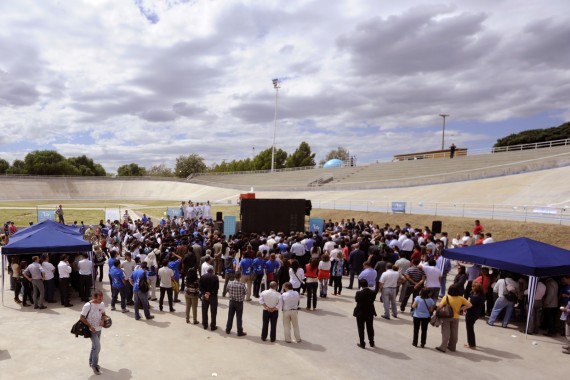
{"x": 532, "y": 136}
{"x": 50, "y": 162}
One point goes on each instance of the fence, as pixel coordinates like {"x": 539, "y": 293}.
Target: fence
{"x": 520, "y": 213}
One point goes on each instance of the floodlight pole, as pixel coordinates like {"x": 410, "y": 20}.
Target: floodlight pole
{"x": 443, "y": 133}
{"x": 276, "y": 87}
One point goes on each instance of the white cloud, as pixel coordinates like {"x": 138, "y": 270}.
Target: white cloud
{"x": 147, "y": 80}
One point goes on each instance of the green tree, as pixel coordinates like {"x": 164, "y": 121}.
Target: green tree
{"x": 532, "y": 136}
{"x": 86, "y": 166}
{"x": 131, "y": 170}
{"x": 159, "y": 171}
{"x": 4, "y": 166}
{"x": 263, "y": 160}
{"x": 338, "y": 153}
{"x": 18, "y": 167}
{"x": 301, "y": 157}
{"x": 48, "y": 162}
{"x": 186, "y": 165}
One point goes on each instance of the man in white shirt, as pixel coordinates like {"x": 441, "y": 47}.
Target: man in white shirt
{"x": 290, "y": 300}
{"x": 271, "y": 301}
{"x": 388, "y": 284}
{"x": 502, "y": 286}
{"x": 535, "y": 314}
{"x": 64, "y": 270}
{"x": 49, "y": 279}
{"x": 433, "y": 278}
{"x": 85, "y": 274}
{"x": 488, "y": 238}
{"x": 128, "y": 267}
{"x": 206, "y": 265}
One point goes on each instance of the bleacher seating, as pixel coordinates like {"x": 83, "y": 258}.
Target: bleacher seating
{"x": 396, "y": 174}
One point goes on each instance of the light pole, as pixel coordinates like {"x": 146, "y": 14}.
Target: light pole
{"x": 443, "y": 133}
{"x": 276, "y": 87}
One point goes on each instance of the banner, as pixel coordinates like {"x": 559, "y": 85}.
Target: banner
{"x": 174, "y": 211}
{"x": 229, "y": 225}
{"x": 45, "y": 215}
{"x": 399, "y": 207}
{"x": 112, "y": 214}
{"x": 316, "y": 225}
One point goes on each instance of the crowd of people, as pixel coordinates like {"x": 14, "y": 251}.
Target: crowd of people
{"x": 190, "y": 255}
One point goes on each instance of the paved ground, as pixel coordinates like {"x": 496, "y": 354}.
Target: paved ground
{"x": 38, "y": 344}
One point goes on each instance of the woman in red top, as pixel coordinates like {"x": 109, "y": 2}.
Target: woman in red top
{"x": 311, "y": 274}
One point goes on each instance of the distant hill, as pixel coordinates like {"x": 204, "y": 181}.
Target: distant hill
{"x": 536, "y": 135}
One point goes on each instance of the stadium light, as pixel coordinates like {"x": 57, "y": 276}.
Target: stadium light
{"x": 276, "y": 87}
{"x": 443, "y": 133}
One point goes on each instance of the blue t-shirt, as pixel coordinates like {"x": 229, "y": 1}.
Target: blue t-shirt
{"x": 175, "y": 265}
{"x": 111, "y": 263}
{"x": 136, "y": 276}
{"x": 117, "y": 276}
{"x": 258, "y": 266}
{"x": 421, "y": 310}
{"x": 245, "y": 265}
{"x": 271, "y": 266}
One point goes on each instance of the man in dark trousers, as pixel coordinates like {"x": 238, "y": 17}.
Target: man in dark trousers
{"x": 271, "y": 301}
{"x": 209, "y": 285}
{"x": 237, "y": 291}
{"x": 356, "y": 263}
{"x": 365, "y": 312}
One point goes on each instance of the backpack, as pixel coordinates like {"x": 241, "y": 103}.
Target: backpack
{"x": 143, "y": 283}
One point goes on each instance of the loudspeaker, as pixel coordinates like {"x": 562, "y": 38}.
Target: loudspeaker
{"x": 219, "y": 217}
{"x": 308, "y": 207}
{"x": 436, "y": 226}
{"x": 284, "y": 215}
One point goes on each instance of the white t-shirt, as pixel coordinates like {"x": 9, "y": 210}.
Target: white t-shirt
{"x": 165, "y": 275}
{"x": 95, "y": 312}
{"x": 64, "y": 269}
{"x": 85, "y": 267}
{"x": 128, "y": 267}
{"x": 432, "y": 276}
{"x": 49, "y": 270}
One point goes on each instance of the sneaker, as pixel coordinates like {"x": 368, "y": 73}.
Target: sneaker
{"x": 113, "y": 308}
{"x": 125, "y": 311}
{"x": 96, "y": 370}
{"x": 42, "y": 307}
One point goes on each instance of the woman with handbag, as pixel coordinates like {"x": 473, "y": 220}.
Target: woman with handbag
{"x": 448, "y": 310}
{"x": 423, "y": 307}
{"x": 296, "y": 276}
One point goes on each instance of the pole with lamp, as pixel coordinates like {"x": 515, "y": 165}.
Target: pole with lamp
{"x": 276, "y": 87}
{"x": 443, "y": 133}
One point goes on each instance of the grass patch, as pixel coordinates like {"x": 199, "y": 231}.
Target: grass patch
{"x": 23, "y": 212}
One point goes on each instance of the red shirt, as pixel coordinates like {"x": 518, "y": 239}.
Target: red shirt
{"x": 477, "y": 229}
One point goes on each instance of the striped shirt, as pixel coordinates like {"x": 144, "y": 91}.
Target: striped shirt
{"x": 415, "y": 274}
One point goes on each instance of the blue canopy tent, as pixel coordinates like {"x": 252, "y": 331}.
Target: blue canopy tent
{"x": 521, "y": 255}
{"x": 45, "y": 237}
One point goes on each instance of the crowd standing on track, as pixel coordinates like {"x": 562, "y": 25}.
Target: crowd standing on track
{"x": 190, "y": 255}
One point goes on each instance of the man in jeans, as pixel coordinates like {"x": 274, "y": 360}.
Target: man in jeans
{"x": 237, "y": 291}
{"x": 141, "y": 298}
{"x": 118, "y": 286}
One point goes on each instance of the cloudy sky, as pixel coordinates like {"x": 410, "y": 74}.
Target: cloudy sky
{"x": 146, "y": 81}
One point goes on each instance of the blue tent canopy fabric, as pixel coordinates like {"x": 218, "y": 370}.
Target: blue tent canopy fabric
{"x": 47, "y": 236}
{"x": 520, "y": 255}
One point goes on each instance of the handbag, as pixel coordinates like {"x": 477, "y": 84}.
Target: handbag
{"x": 175, "y": 286}
{"x": 435, "y": 321}
{"x": 446, "y": 311}
{"x": 80, "y": 328}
